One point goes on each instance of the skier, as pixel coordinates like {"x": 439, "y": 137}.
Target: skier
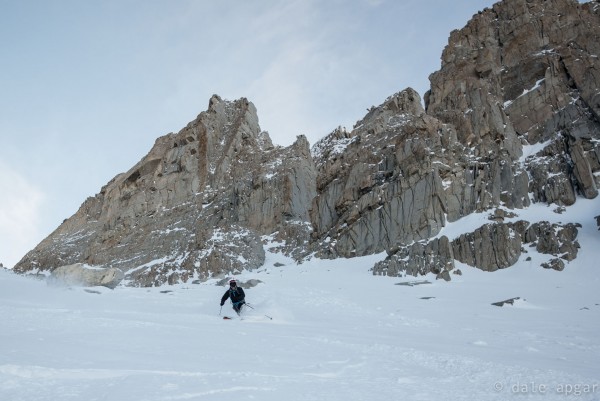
{"x": 236, "y": 294}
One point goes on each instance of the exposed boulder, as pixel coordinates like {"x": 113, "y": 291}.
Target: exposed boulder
{"x": 420, "y": 258}
{"x": 244, "y": 284}
{"x": 553, "y": 239}
{"x": 510, "y": 301}
{"x": 413, "y": 283}
{"x": 490, "y": 247}
{"x": 79, "y": 274}
{"x": 444, "y": 275}
{"x": 555, "y": 264}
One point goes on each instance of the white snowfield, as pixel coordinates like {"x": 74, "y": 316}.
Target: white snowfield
{"x": 338, "y": 333}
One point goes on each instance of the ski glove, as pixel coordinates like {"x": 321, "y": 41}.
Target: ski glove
{"x": 222, "y": 303}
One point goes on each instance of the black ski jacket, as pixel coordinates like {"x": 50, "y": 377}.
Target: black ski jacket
{"x": 237, "y": 295}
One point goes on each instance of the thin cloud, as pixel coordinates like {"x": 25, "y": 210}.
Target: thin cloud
{"x": 20, "y": 204}
{"x": 375, "y": 3}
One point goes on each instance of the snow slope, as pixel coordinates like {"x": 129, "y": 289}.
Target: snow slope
{"x": 337, "y": 333}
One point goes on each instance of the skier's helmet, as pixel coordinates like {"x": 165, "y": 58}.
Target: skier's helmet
{"x": 232, "y": 283}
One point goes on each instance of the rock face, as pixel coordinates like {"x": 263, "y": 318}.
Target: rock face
{"x": 512, "y": 117}
{"x": 379, "y": 185}
{"x": 519, "y": 85}
{"x": 527, "y": 72}
{"x": 490, "y": 247}
{"x": 196, "y": 205}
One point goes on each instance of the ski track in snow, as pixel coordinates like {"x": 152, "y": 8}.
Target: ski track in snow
{"x": 338, "y": 333}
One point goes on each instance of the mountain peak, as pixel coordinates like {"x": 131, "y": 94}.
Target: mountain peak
{"x": 203, "y": 201}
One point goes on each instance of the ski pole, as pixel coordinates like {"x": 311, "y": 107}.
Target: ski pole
{"x": 250, "y": 306}
{"x": 220, "y": 310}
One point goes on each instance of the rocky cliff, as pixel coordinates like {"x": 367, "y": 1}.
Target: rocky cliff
{"x": 512, "y": 117}
{"x": 197, "y": 204}
{"x": 523, "y": 73}
{"x": 527, "y": 72}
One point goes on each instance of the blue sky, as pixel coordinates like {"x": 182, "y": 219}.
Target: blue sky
{"x": 87, "y": 86}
